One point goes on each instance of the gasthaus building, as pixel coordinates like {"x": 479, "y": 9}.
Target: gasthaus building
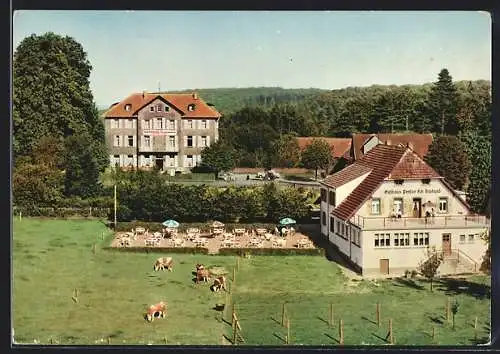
{"x": 386, "y": 210}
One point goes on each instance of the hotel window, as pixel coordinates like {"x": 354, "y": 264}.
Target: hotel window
{"x": 471, "y": 239}
{"x": 332, "y": 224}
{"x": 130, "y": 160}
{"x": 147, "y": 141}
{"x": 128, "y": 107}
{"x": 404, "y": 239}
{"x": 189, "y": 141}
{"x": 396, "y": 239}
{"x": 130, "y": 123}
{"x": 116, "y": 162}
{"x": 151, "y": 109}
{"x": 167, "y": 108}
{"x": 203, "y": 124}
{"x": 146, "y": 124}
{"x": 171, "y": 141}
{"x": 203, "y": 141}
{"x": 342, "y": 229}
{"x": 323, "y": 218}
{"x": 331, "y": 198}
{"x": 420, "y": 239}
{"x": 443, "y": 205}
{"x": 158, "y": 108}
{"x": 387, "y": 239}
{"x": 159, "y": 123}
{"x": 376, "y": 206}
{"x": 398, "y": 206}
{"x": 426, "y": 181}
{"x": 323, "y": 195}
{"x": 115, "y": 123}
{"x": 172, "y": 161}
{"x": 130, "y": 140}
{"x": 171, "y": 124}
{"x": 191, "y": 107}
{"x": 377, "y": 240}
{"x": 117, "y": 140}
{"x": 426, "y": 238}
{"x": 462, "y": 238}
{"x": 189, "y": 124}
{"x": 338, "y": 227}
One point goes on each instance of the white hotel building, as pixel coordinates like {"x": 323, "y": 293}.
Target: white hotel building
{"x": 378, "y": 213}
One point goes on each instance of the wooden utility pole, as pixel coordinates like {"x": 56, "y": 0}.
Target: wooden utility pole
{"x": 115, "y": 204}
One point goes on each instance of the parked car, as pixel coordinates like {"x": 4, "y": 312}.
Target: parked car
{"x": 226, "y": 176}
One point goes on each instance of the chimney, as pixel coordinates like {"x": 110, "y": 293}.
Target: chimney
{"x": 144, "y": 92}
{"x": 388, "y": 142}
{"x": 195, "y": 95}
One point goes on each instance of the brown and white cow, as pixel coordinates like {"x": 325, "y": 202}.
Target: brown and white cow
{"x": 158, "y": 310}
{"x": 163, "y": 263}
{"x": 219, "y": 283}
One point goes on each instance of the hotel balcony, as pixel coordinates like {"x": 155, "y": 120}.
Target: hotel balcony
{"x": 436, "y": 222}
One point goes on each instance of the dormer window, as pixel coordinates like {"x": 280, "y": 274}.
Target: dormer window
{"x": 158, "y": 108}
{"x": 191, "y": 107}
{"x": 167, "y": 108}
{"x": 128, "y": 107}
{"x": 399, "y": 181}
{"x": 426, "y": 181}
{"x": 151, "y": 109}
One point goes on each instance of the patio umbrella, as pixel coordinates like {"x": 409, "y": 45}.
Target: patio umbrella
{"x": 217, "y": 224}
{"x": 287, "y": 221}
{"x": 170, "y": 223}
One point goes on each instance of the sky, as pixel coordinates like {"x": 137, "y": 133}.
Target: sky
{"x": 132, "y": 51}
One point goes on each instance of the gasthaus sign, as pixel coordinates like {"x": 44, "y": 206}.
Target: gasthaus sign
{"x": 413, "y": 191}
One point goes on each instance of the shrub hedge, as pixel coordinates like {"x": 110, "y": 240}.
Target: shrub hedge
{"x": 272, "y": 251}
{"x": 191, "y": 250}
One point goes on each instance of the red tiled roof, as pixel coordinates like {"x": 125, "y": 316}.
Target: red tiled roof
{"x": 178, "y": 100}
{"x": 341, "y": 146}
{"x": 419, "y": 143}
{"x": 346, "y": 175}
{"x": 386, "y": 162}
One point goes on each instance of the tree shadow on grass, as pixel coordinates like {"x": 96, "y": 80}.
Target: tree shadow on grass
{"x": 409, "y": 283}
{"x": 367, "y": 319}
{"x": 452, "y": 287}
{"x": 230, "y": 340}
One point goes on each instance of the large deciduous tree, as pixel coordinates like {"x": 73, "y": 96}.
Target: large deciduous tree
{"x": 52, "y": 96}
{"x": 318, "y": 154}
{"x": 218, "y": 157}
{"x": 442, "y": 103}
{"x": 287, "y": 150}
{"x": 448, "y": 156}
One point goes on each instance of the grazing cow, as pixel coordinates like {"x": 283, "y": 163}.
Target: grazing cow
{"x": 199, "y": 267}
{"x": 219, "y": 283}
{"x": 158, "y": 310}
{"x": 203, "y": 275}
{"x": 163, "y": 263}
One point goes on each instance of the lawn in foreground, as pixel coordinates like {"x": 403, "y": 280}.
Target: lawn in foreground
{"x": 308, "y": 287}
{"x": 53, "y": 257}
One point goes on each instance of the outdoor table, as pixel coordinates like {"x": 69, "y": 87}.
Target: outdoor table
{"x": 228, "y": 236}
{"x": 268, "y": 236}
{"x": 239, "y": 231}
{"x": 227, "y": 243}
{"x": 260, "y": 231}
{"x": 140, "y": 230}
{"x": 193, "y": 230}
{"x": 157, "y": 234}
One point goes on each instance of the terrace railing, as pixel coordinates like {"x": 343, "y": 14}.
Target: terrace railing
{"x": 451, "y": 221}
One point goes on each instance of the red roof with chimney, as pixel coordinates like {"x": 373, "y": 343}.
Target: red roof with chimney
{"x": 419, "y": 143}
{"x": 386, "y": 162}
{"x": 341, "y": 146}
{"x": 180, "y": 101}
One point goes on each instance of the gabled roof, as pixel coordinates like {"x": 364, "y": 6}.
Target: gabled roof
{"x": 181, "y": 101}
{"x": 419, "y": 143}
{"x": 386, "y": 162}
{"x": 346, "y": 175}
{"x": 341, "y": 146}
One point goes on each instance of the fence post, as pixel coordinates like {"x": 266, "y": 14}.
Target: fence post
{"x": 475, "y": 328}
{"x": 332, "y": 324}
{"x": 20, "y": 214}
{"x": 378, "y": 314}
{"x": 234, "y": 274}
{"x": 391, "y": 338}
{"x": 287, "y": 331}
{"x": 448, "y": 308}
{"x": 283, "y": 314}
{"x": 341, "y": 332}
{"x": 433, "y": 333}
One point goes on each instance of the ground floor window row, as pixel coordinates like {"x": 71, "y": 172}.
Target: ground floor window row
{"x": 346, "y": 232}
{"x": 152, "y": 160}
{"x": 401, "y": 239}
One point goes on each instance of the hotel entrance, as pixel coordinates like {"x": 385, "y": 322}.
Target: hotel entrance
{"x": 446, "y": 244}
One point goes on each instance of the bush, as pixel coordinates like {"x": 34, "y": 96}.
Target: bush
{"x": 191, "y": 250}
{"x": 272, "y": 251}
{"x": 414, "y": 273}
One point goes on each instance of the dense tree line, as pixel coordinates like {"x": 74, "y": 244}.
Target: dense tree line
{"x": 143, "y": 195}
